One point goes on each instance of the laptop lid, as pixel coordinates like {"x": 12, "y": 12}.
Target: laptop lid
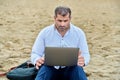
{"x": 58, "y": 56}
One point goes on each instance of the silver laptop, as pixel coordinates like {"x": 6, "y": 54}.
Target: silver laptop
{"x": 57, "y": 56}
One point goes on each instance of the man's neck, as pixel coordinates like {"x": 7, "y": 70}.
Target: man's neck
{"x": 62, "y": 32}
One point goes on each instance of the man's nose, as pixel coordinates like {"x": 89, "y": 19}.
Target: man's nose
{"x": 62, "y": 23}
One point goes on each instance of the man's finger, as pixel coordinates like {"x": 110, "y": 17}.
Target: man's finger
{"x": 37, "y": 67}
{"x": 81, "y": 64}
{"x": 42, "y": 59}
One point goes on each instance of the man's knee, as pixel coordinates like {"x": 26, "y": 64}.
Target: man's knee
{"x": 78, "y": 73}
{"x": 44, "y": 72}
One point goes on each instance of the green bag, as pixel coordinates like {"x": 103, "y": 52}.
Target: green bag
{"x": 25, "y": 71}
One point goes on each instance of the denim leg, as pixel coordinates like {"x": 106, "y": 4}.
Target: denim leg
{"x": 69, "y": 73}
{"x": 75, "y": 73}
{"x": 45, "y": 73}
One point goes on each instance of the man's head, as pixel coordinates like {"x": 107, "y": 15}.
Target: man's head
{"x": 62, "y": 18}
{"x": 63, "y": 11}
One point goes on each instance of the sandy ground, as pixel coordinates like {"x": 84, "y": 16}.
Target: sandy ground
{"x": 21, "y": 21}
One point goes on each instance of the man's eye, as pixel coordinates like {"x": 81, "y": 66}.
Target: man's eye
{"x": 65, "y": 20}
{"x": 60, "y": 20}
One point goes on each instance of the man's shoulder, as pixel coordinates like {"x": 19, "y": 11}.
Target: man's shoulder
{"x": 76, "y": 29}
{"x": 48, "y": 28}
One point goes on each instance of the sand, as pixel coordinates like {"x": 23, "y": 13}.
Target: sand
{"x": 21, "y": 21}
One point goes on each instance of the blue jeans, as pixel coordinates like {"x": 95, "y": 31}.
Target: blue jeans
{"x": 67, "y": 73}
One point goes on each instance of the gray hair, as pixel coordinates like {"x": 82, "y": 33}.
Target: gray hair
{"x": 63, "y": 11}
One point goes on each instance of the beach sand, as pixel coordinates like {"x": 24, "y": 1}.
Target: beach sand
{"x": 21, "y": 21}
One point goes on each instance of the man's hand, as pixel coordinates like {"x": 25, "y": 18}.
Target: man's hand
{"x": 39, "y": 62}
{"x": 81, "y": 61}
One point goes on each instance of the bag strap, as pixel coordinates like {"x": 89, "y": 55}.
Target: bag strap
{"x": 28, "y": 63}
{"x": 4, "y": 73}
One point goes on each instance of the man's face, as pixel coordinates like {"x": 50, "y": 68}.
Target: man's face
{"x": 62, "y": 23}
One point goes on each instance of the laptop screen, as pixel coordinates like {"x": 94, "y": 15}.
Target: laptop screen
{"x": 59, "y": 56}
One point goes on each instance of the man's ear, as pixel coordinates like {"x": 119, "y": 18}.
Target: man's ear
{"x": 70, "y": 17}
{"x": 54, "y": 17}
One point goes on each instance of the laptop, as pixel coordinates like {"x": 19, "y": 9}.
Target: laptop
{"x": 59, "y": 56}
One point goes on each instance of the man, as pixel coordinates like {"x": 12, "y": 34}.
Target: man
{"x": 61, "y": 34}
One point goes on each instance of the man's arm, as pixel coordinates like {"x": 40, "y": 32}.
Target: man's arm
{"x": 84, "y": 52}
{"x": 38, "y": 49}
